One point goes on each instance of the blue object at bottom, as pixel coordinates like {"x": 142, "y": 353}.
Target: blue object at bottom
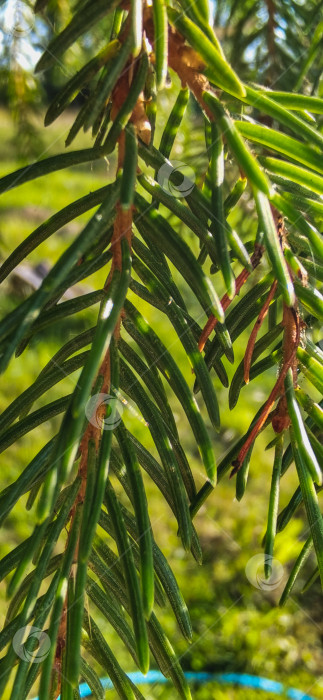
{"x": 240, "y": 679}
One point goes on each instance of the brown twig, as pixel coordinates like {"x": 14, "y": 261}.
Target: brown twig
{"x": 60, "y": 646}
{"x": 292, "y": 327}
{"x": 253, "y": 336}
{"x": 93, "y": 431}
{"x": 291, "y": 324}
{"x": 226, "y": 301}
{"x": 122, "y": 229}
{"x": 184, "y": 60}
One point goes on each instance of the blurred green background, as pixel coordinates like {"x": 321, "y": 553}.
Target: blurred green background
{"x": 237, "y": 626}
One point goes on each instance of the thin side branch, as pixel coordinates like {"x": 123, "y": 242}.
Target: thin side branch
{"x": 226, "y": 301}
{"x": 255, "y": 331}
{"x": 291, "y": 323}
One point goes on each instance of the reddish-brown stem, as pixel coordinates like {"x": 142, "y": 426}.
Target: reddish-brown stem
{"x": 226, "y": 301}
{"x": 184, "y": 60}
{"x": 291, "y": 341}
{"x": 60, "y": 645}
{"x": 262, "y": 418}
{"x": 122, "y": 229}
{"x": 291, "y": 322}
{"x": 255, "y": 330}
{"x": 92, "y": 431}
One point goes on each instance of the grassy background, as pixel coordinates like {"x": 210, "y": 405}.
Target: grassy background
{"x": 237, "y": 627}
